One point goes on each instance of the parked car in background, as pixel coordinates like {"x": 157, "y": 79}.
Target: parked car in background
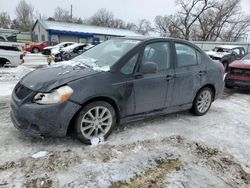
{"x": 3, "y": 39}
{"x": 10, "y": 55}
{"x": 38, "y": 47}
{"x": 69, "y": 52}
{"x": 54, "y": 49}
{"x": 239, "y": 73}
{"x": 226, "y": 54}
{"x": 117, "y": 81}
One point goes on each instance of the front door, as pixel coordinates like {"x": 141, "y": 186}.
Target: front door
{"x": 151, "y": 89}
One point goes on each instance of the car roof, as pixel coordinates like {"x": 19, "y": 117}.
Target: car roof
{"x": 74, "y": 45}
{"x": 228, "y": 46}
{"x": 147, "y": 38}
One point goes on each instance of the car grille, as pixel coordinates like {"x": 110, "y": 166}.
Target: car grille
{"x": 240, "y": 72}
{"x": 22, "y": 91}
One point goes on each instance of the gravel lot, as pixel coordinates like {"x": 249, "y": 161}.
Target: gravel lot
{"x": 176, "y": 150}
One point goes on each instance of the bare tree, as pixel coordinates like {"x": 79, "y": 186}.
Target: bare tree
{"x": 103, "y": 18}
{"x": 236, "y": 29}
{"x": 167, "y": 25}
{"x": 118, "y": 23}
{"x": 24, "y": 13}
{"x": 144, "y": 27}
{"x": 224, "y": 21}
{"x": 131, "y": 26}
{"x": 205, "y": 20}
{"x": 190, "y": 12}
{"x": 4, "y": 20}
{"x": 62, "y": 15}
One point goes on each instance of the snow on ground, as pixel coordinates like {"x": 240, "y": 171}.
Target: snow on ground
{"x": 176, "y": 150}
{"x": 35, "y": 60}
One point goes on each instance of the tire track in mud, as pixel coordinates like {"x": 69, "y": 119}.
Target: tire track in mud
{"x": 163, "y": 157}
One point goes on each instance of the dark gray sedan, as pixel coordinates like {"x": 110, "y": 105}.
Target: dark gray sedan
{"x": 118, "y": 81}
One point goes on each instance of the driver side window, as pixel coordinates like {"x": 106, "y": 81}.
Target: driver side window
{"x": 158, "y": 53}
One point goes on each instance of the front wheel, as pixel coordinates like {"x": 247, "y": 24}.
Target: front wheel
{"x": 96, "y": 120}
{"x": 202, "y": 102}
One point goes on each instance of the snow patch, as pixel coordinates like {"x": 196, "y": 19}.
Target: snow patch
{"x": 40, "y": 154}
{"x": 96, "y": 141}
{"x": 6, "y": 88}
{"x": 7, "y": 74}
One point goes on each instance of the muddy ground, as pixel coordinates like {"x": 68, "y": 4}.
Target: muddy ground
{"x": 176, "y": 150}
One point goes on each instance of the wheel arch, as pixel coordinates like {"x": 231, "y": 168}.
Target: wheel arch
{"x": 109, "y": 100}
{"x": 4, "y": 60}
{"x": 209, "y": 85}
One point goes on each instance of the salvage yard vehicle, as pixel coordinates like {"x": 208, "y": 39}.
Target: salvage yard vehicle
{"x": 10, "y": 55}
{"x": 55, "y": 49}
{"x": 226, "y": 54}
{"x": 239, "y": 73}
{"x": 36, "y": 48}
{"x": 118, "y": 81}
{"x": 69, "y": 52}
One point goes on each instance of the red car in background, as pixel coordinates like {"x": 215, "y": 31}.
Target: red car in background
{"x": 239, "y": 73}
{"x": 36, "y": 48}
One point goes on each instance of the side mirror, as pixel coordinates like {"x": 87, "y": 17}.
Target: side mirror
{"x": 148, "y": 67}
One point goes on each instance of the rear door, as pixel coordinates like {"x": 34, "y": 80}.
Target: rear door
{"x": 189, "y": 74}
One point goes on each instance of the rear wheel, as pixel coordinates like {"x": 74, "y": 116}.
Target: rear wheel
{"x": 3, "y": 62}
{"x": 96, "y": 120}
{"x": 202, "y": 102}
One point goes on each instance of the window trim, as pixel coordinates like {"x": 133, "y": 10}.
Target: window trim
{"x": 169, "y": 42}
{"x": 196, "y": 52}
{"x": 136, "y": 63}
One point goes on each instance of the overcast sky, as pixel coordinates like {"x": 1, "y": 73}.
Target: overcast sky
{"x": 128, "y": 10}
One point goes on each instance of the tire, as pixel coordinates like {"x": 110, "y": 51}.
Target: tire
{"x": 89, "y": 125}
{"x": 35, "y": 50}
{"x": 228, "y": 86}
{"x": 3, "y": 62}
{"x": 200, "y": 108}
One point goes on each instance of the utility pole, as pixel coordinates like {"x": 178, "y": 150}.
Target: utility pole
{"x": 71, "y": 12}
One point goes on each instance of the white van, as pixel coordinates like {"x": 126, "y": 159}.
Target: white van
{"x": 10, "y": 55}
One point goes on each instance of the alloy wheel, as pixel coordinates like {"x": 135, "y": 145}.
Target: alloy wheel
{"x": 204, "y": 101}
{"x": 96, "y": 122}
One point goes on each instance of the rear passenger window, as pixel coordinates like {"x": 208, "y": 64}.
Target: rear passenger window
{"x": 187, "y": 56}
{"x": 9, "y": 48}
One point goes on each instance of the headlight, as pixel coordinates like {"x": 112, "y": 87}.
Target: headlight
{"x": 59, "y": 95}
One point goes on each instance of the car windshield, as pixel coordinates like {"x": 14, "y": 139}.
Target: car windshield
{"x": 107, "y": 53}
{"x": 247, "y": 57}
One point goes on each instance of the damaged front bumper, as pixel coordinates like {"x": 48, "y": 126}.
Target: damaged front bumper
{"x": 41, "y": 120}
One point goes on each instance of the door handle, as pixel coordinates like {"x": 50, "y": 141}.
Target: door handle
{"x": 201, "y": 73}
{"x": 138, "y": 75}
{"x": 169, "y": 77}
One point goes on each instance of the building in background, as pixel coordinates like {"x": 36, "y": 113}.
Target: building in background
{"x": 13, "y": 35}
{"x": 45, "y": 30}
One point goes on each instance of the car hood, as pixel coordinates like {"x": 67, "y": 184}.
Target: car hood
{"x": 48, "y": 47}
{"x": 55, "y": 51}
{"x": 241, "y": 64}
{"x": 217, "y": 54}
{"x": 46, "y": 79}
